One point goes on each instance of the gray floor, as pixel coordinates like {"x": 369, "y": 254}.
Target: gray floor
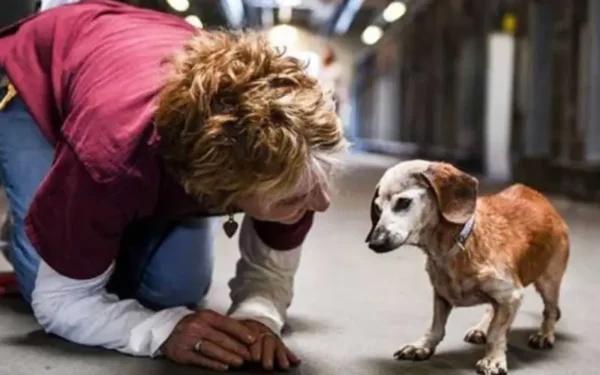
{"x": 353, "y": 308}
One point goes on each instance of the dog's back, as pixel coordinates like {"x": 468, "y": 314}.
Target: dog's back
{"x": 537, "y": 237}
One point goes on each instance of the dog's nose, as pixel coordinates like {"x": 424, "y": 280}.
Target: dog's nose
{"x": 380, "y": 245}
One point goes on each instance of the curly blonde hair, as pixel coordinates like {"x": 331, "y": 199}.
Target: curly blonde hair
{"x": 237, "y": 118}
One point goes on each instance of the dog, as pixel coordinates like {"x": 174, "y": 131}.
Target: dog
{"x": 479, "y": 250}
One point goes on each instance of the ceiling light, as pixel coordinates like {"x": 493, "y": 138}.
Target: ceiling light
{"x": 394, "y": 11}
{"x": 285, "y": 14}
{"x": 194, "y": 21}
{"x": 371, "y": 35}
{"x": 289, "y": 3}
{"x": 179, "y": 5}
{"x": 283, "y": 35}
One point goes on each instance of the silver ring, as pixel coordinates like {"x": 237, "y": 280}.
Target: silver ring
{"x": 198, "y": 346}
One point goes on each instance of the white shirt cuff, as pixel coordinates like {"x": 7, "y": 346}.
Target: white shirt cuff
{"x": 261, "y": 310}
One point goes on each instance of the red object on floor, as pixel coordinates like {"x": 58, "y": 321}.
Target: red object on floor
{"x": 8, "y": 284}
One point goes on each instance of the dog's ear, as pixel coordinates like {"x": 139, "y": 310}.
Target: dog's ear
{"x": 375, "y": 214}
{"x": 455, "y": 190}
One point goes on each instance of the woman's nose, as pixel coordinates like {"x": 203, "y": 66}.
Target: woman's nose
{"x": 320, "y": 201}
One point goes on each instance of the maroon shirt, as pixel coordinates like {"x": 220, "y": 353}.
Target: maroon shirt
{"x": 89, "y": 74}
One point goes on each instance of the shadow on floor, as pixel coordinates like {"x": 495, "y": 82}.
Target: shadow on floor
{"x": 463, "y": 360}
{"x": 15, "y": 305}
{"x": 455, "y": 360}
{"x": 38, "y": 341}
{"x": 303, "y": 324}
{"x": 54, "y": 345}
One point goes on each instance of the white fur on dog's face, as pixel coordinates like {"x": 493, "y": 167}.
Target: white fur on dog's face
{"x": 405, "y": 207}
{"x": 402, "y": 214}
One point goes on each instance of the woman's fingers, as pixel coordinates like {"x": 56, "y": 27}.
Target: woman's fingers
{"x": 256, "y": 350}
{"x": 268, "y": 351}
{"x": 201, "y": 360}
{"x": 230, "y": 326}
{"x": 282, "y": 358}
{"x": 294, "y": 360}
{"x": 213, "y": 351}
{"x": 228, "y": 343}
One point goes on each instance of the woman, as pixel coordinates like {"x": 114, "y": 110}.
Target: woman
{"x": 128, "y": 132}
{"x": 331, "y": 76}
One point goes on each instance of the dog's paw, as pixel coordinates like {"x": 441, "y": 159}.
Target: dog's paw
{"x": 492, "y": 365}
{"x": 475, "y": 336}
{"x": 414, "y": 353}
{"x": 541, "y": 341}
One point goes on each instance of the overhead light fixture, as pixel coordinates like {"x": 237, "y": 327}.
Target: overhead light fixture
{"x": 283, "y": 35}
{"x": 371, "y": 35}
{"x": 285, "y": 14}
{"x": 179, "y": 5}
{"x": 194, "y": 21}
{"x": 394, "y": 11}
{"x": 289, "y": 3}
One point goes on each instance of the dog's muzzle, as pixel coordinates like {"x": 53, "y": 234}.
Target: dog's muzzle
{"x": 380, "y": 246}
{"x": 380, "y": 241}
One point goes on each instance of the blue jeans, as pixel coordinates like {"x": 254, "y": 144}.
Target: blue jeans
{"x": 172, "y": 262}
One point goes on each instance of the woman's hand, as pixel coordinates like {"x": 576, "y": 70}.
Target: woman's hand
{"x": 268, "y": 348}
{"x": 210, "y": 340}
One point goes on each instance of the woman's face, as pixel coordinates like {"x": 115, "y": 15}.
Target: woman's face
{"x": 290, "y": 208}
{"x": 328, "y": 55}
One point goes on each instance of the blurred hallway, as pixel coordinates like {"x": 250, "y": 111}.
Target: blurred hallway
{"x": 354, "y": 308}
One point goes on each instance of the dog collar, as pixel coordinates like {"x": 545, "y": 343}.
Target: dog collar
{"x": 462, "y": 237}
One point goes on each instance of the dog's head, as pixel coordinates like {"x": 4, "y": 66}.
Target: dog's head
{"x": 413, "y": 197}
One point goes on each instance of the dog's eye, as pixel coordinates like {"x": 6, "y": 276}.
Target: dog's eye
{"x": 402, "y": 204}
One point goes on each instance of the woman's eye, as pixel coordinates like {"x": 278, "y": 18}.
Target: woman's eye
{"x": 402, "y": 204}
{"x": 293, "y": 201}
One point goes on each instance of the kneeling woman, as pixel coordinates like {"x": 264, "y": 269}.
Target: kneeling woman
{"x": 123, "y": 132}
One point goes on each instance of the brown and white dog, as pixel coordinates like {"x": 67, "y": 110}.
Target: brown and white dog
{"x": 480, "y": 250}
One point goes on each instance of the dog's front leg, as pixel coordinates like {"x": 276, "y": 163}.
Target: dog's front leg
{"x": 425, "y": 347}
{"x": 505, "y": 308}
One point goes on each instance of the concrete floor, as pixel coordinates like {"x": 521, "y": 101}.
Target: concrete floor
{"x": 353, "y": 308}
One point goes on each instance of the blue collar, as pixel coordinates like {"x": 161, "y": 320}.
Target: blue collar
{"x": 461, "y": 239}
{"x": 464, "y": 234}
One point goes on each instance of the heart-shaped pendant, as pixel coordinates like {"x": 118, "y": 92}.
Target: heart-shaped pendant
{"x": 230, "y": 227}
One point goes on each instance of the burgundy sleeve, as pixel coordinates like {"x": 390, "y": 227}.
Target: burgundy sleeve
{"x": 284, "y": 236}
{"x": 75, "y": 223}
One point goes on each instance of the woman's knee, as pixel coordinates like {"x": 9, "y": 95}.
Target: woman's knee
{"x": 23, "y": 257}
{"x": 181, "y": 291}
{"x": 180, "y": 274}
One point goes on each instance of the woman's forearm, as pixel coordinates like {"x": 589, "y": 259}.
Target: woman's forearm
{"x": 263, "y": 286}
{"x": 82, "y": 311}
